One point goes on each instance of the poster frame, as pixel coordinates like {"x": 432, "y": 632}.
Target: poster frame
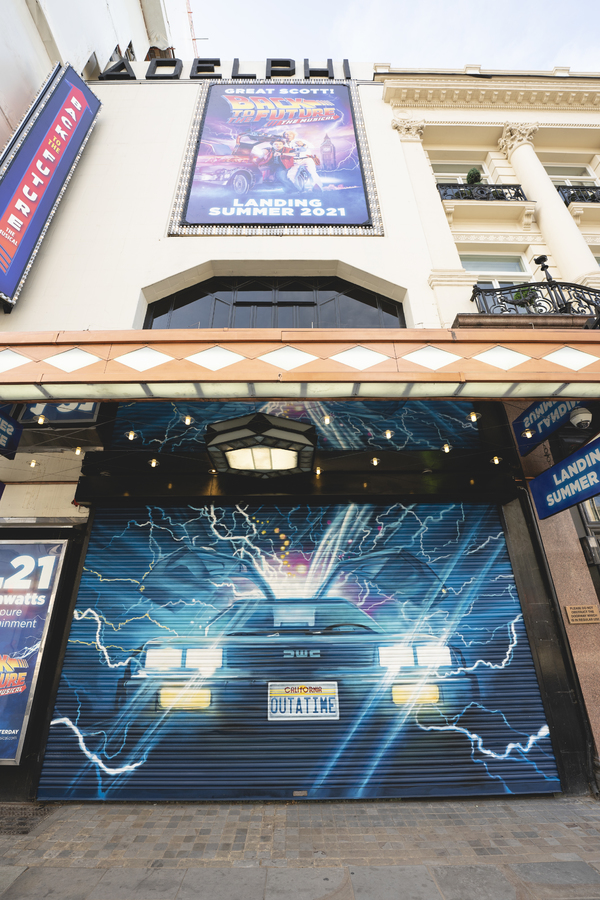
{"x": 26, "y": 716}
{"x": 178, "y": 227}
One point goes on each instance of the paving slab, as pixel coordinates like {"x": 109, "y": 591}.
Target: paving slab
{"x": 573, "y": 880}
{"x": 138, "y": 884}
{"x": 8, "y": 874}
{"x": 56, "y": 883}
{"x": 393, "y": 883}
{"x": 558, "y": 873}
{"x": 473, "y": 883}
{"x": 223, "y": 884}
{"x": 309, "y": 884}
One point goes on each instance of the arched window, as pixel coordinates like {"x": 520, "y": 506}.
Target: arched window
{"x": 275, "y": 303}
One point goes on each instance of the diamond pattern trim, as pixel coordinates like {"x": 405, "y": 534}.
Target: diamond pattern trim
{"x": 287, "y": 358}
{"x": 215, "y": 358}
{"x": 71, "y": 360}
{"x": 360, "y": 358}
{"x": 143, "y": 359}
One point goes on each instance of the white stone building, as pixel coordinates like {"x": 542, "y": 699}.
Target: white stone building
{"x": 132, "y": 289}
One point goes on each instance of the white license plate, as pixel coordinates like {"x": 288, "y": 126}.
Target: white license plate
{"x": 303, "y": 701}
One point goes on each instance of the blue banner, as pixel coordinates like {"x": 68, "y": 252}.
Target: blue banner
{"x": 542, "y": 418}
{"x": 10, "y": 435}
{"x": 33, "y": 181}
{"x": 29, "y": 572}
{"x": 575, "y": 479}
{"x": 60, "y": 413}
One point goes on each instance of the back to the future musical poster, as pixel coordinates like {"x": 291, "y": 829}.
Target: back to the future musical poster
{"x": 278, "y": 154}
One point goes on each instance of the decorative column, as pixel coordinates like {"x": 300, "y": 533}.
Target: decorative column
{"x": 571, "y": 254}
{"x": 450, "y": 283}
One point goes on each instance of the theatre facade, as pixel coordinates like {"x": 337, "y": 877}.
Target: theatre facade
{"x": 299, "y": 412}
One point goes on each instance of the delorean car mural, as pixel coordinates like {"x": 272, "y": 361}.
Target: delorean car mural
{"x": 278, "y": 650}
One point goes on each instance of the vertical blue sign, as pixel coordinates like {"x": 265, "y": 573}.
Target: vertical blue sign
{"x": 575, "y": 479}
{"x": 29, "y": 572}
{"x": 10, "y": 435}
{"x": 542, "y": 418}
{"x": 34, "y": 174}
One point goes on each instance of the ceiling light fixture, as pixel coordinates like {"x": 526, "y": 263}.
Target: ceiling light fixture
{"x": 130, "y": 435}
{"x": 326, "y": 420}
{"x": 528, "y": 433}
{"x": 318, "y": 471}
{"x": 261, "y": 445}
{"x": 375, "y": 461}
{"x": 187, "y": 420}
{"x": 77, "y": 451}
{"x": 446, "y": 447}
{"x": 33, "y": 463}
{"x": 153, "y": 462}
{"x": 389, "y": 434}
{"x": 474, "y": 416}
{"x": 496, "y": 460}
{"x": 41, "y": 420}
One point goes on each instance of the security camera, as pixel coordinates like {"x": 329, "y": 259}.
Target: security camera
{"x": 581, "y": 417}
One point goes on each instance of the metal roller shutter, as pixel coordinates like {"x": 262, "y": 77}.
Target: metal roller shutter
{"x": 272, "y": 650}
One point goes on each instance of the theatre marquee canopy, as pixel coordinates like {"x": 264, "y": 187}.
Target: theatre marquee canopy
{"x": 465, "y": 363}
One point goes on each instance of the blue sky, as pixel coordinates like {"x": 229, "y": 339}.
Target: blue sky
{"x": 513, "y": 34}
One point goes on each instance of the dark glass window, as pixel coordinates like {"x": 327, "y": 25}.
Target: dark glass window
{"x": 275, "y": 303}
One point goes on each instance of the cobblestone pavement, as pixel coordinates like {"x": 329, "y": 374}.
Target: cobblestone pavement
{"x": 514, "y": 848}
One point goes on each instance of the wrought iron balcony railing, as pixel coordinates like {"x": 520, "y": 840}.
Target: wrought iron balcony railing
{"x": 538, "y": 298}
{"x": 481, "y": 192}
{"x": 579, "y": 194}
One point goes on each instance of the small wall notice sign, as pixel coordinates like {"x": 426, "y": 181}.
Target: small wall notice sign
{"x": 583, "y": 615}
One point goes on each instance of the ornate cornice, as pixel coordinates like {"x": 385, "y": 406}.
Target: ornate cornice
{"x": 497, "y": 93}
{"x": 408, "y": 130}
{"x": 492, "y": 237}
{"x": 516, "y": 134}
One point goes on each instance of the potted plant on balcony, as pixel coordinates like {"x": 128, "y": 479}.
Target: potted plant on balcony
{"x": 525, "y": 296}
{"x": 474, "y": 176}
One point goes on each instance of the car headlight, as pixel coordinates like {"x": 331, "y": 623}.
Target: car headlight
{"x": 396, "y": 656}
{"x": 205, "y": 659}
{"x": 415, "y": 693}
{"x": 184, "y": 698}
{"x": 163, "y": 658}
{"x": 434, "y": 655}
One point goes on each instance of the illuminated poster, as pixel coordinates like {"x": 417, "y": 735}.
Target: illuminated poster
{"x": 29, "y": 572}
{"x": 279, "y": 154}
{"x": 252, "y": 650}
